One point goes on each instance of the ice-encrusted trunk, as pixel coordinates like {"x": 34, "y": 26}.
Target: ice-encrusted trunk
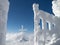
{"x": 4, "y": 7}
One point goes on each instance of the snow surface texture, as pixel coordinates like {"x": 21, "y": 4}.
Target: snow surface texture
{"x": 42, "y": 34}
{"x": 20, "y": 38}
{"x": 56, "y": 7}
{"x": 4, "y": 7}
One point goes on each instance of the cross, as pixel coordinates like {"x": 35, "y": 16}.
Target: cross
{"x": 22, "y": 29}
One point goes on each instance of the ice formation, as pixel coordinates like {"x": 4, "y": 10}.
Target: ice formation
{"x": 46, "y": 26}
{"x": 56, "y": 7}
{"x": 4, "y": 7}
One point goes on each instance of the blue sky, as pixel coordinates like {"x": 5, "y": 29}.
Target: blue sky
{"x": 21, "y": 13}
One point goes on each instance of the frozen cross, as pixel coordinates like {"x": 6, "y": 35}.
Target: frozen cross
{"x": 22, "y": 29}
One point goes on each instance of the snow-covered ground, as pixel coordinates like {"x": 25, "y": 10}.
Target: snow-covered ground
{"x": 20, "y": 38}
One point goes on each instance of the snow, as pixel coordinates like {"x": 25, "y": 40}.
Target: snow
{"x": 4, "y": 7}
{"x": 56, "y": 7}
{"x": 19, "y": 38}
{"x": 44, "y": 35}
{"x": 41, "y": 36}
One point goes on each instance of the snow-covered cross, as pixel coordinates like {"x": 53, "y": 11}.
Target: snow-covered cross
{"x": 22, "y": 29}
